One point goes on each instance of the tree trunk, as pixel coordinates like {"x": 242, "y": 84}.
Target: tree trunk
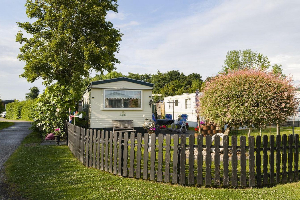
{"x": 249, "y": 132}
{"x": 278, "y": 129}
{"x": 260, "y": 131}
{"x": 227, "y": 131}
{"x": 294, "y": 126}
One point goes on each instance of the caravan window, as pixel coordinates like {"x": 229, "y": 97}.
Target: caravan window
{"x": 123, "y": 98}
{"x": 187, "y": 103}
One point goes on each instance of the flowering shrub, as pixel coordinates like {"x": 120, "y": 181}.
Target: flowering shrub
{"x": 149, "y": 126}
{"x": 51, "y": 109}
{"x": 163, "y": 127}
{"x": 57, "y": 132}
{"x": 248, "y": 97}
{"x": 152, "y": 129}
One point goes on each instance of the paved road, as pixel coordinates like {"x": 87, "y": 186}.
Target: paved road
{"x": 10, "y": 139}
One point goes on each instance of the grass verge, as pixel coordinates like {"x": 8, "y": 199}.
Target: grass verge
{"x": 52, "y": 172}
{"x": 267, "y": 131}
{"x": 5, "y": 125}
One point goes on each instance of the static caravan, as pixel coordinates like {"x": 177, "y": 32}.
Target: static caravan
{"x": 296, "y": 117}
{"x": 182, "y": 104}
{"x": 118, "y": 100}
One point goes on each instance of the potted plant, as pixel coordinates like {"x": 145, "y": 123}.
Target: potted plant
{"x": 149, "y": 126}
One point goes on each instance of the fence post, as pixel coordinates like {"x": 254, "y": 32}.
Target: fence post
{"x": 272, "y": 180}
{"x": 115, "y": 135}
{"x": 225, "y": 161}
{"x": 86, "y": 147}
{"x": 153, "y": 157}
{"x": 110, "y": 168}
{"x": 217, "y": 161}
{"x": 284, "y": 158}
{"x": 132, "y": 154}
{"x": 200, "y": 161}
{"x": 98, "y": 148}
{"x": 278, "y": 158}
{"x": 296, "y": 157}
{"x": 102, "y": 142}
{"x": 251, "y": 162}
{"x": 94, "y": 148}
{"x": 146, "y": 154}
{"x": 234, "y": 181}
{"x": 290, "y": 158}
{"x": 138, "y": 156}
{"x": 91, "y": 148}
{"x": 121, "y": 149}
{"x": 125, "y": 155}
{"x": 167, "y": 158}
{"x": 208, "y": 161}
{"x": 175, "y": 160}
{"x": 81, "y": 139}
{"x": 243, "y": 160}
{"x": 191, "y": 159}
{"x": 182, "y": 160}
{"x": 67, "y": 131}
{"x": 106, "y": 150}
{"x": 160, "y": 157}
{"x": 258, "y": 161}
{"x": 265, "y": 160}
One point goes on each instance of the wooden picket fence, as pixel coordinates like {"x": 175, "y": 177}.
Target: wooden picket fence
{"x": 186, "y": 160}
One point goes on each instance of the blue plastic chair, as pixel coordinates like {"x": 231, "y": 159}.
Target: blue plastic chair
{"x": 168, "y": 116}
{"x": 182, "y": 123}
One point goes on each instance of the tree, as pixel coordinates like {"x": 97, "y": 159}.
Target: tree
{"x": 67, "y": 41}
{"x": 246, "y": 59}
{"x": 110, "y": 75}
{"x": 277, "y": 70}
{"x": 248, "y": 97}
{"x": 1, "y": 106}
{"x": 168, "y": 84}
{"x": 33, "y": 94}
{"x": 175, "y": 83}
{"x": 142, "y": 77}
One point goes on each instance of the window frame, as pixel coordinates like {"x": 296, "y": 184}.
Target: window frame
{"x": 122, "y": 108}
{"x": 187, "y": 103}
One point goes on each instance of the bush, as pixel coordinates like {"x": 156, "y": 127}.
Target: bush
{"x": 248, "y": 97}
{"x": 21, "y": 110}
{"x": 27, "y": 111}
{"x": 13, "y": 110}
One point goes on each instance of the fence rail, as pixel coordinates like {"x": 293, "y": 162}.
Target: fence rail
{"x": 189, "y": 160}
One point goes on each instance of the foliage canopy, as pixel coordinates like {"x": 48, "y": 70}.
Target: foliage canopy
{"x": 168, "y": 84}
{"x": 246, "y": 59}
{"x": 248, "y": 97}
{"x": 33, "y": 93}
{"x": 67, "y": 41}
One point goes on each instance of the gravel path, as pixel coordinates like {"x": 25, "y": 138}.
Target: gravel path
{"x": 10, "y": 139}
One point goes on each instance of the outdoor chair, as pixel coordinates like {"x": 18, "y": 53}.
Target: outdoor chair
{"x": 168, "y": 116}
{"x": 182, "y": 124}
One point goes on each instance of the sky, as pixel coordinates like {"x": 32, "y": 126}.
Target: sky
{"x": 191, "y": 36}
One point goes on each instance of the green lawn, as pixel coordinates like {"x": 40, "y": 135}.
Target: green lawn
{"x": 5, "y": 125}
{"x": 52, "y": 172}
{"x": 267, "y": 131}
